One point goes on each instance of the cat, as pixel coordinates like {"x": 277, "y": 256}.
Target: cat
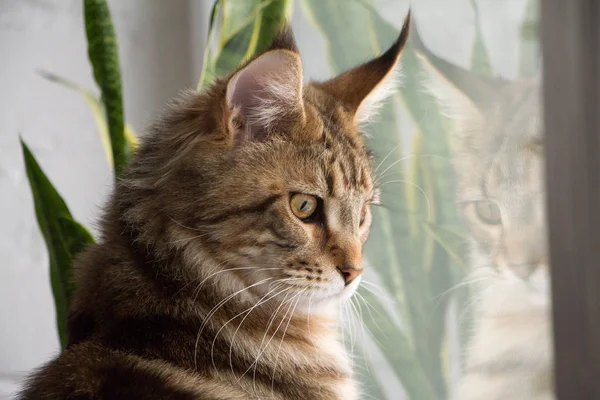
{"x": 498, "y": 154}
{"x": 228, "y": 243}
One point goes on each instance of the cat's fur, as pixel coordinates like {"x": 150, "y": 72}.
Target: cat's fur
{"x": 203, "y": 284}
{"x": 498, "y": 156}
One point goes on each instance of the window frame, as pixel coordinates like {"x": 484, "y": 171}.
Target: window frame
{"x": 570, "y": 36}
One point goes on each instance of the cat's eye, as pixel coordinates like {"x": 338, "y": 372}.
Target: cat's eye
{"x": 304, "y": 206}
{"x": 488, "y": 212}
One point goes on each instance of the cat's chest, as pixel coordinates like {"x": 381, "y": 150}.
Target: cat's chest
{"x": 331, "y": 350}
{"x": 321, "y": 370}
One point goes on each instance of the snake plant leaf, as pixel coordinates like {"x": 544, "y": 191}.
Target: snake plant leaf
{"x": 425, "y": 266}
{"x": 64, "y": 237}
{"x": 104, "y": 57}
{"x": 97, "y": 108}
{"x": 390, "y": 249}
{"x": 272, "y": 17}
{"x": 240, "y": 45}
{"x": 207, "y": 72}
{"x": 454, "y": 242}
{"x": 396, "y": 347}
{"x": 530, "y": 49}
{"x": 480, "y": 60}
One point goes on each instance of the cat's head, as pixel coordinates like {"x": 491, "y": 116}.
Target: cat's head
{"x": 497, "y": 138}
{"x": 264, "y": 175}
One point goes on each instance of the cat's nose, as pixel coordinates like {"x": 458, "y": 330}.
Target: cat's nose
{"x": 348, "y": 260}
{"x": 350, "y": 273}
{"x": 522, "y": 269}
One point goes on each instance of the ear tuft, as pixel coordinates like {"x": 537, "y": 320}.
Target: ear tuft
{"x": 368, "y": 109}
{"x": 362, "y": 89}
{"x": 284, "y": 39}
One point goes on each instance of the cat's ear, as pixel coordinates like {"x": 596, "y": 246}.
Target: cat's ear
{"x": 454, "y": 103}
{"x": 362, "y": 89}
{"x": 266, "y": 93}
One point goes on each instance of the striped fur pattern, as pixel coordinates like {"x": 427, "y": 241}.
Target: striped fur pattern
{"x": 204, "y": 284}
{"x": 498, "y": 157}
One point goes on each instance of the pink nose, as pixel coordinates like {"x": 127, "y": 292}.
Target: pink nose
{"x": 349, "y": 273}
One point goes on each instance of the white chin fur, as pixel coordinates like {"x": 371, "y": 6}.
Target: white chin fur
{"x": 328, "y": 301}
{"x": 350, "y": 289}
{"x": 509, "y": 292}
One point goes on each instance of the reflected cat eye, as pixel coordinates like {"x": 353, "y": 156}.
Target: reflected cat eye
{"x": 303, "y": 205}
{"x": 488, "y": 212}
{"x": 363, "y": 214}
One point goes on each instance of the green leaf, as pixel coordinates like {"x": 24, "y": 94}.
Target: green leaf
{"x": 64, "y": 238}
{"x": 392, "y": 248}
{"x": 243, "y": 30}
{"x": 237, "y": 45}
{"x": 104, "y": 56}
{"x": 451, "y": 240}
{"x": 530, "y": 48}
{"x": 413, "y": 265}
{"x": 480, "y": 60}
{"x": 395, "y": 345}
{"x": 426, "y": 269}
{"x": 273, "y": 16}
{"x": 207, "y": 73}
{"x": 97, "y": 108}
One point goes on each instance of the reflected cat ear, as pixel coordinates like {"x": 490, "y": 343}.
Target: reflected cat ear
{"x": 362, "y": 89}
{"x": 454, "y": 103}
{"x": 459, "y": 92}
{"x": 266, "y": 93}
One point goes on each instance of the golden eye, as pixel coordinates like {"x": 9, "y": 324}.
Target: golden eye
{"x": 488, "y": 212}
{"x": 303, "y": 205}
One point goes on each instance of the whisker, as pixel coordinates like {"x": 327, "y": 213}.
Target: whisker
{"x": 378, "y": 294}
{"x": 394, "y": 163}
{"x": 416, "y": 186}
{"x": 308, "y": 315}
{"x": 369, "y": 306}
{"x": 349, "y": 320}
{"x": 409, "y": 156}
{"x": 341, "y": 327}
{"x": 354, "y": 320}
{"x": 187, "y": 239}
{"x": 473, "y": 300}
{"x": 365, "y": 282}
{"x": 236, "y": 269}
{"x": 360, "y": 298}
{"x": 248, "y": 311}
{"x": 190, "y": 282}
{"x": 186, "y": 227}
{"x": 454, "y": 288}
{"x": 197, "y": 290}
{"x": 214, "y": 310}
{"x": 269, "y": 323}
{"x": 362, "y": 331}
{"x": 386, "y": 157}
{"x": 263, "y": 349}
{"x": 283, "y": 337}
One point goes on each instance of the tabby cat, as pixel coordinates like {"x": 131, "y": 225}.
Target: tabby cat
{"x": 499, "y": 158}
{"x": 228, "y": 243}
